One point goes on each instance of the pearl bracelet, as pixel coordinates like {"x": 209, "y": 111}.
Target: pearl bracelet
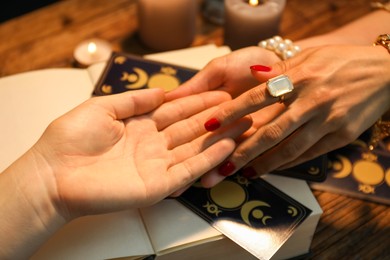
{"x": 284, "y": 48}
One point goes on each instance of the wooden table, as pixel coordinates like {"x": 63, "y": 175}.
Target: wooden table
{"x": 349, "y": 228}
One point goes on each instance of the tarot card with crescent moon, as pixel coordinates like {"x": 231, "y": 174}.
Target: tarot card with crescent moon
{"x": 252, "y": 213}
{"x": 357, "y": 171}
{"x": 126, "y": 72}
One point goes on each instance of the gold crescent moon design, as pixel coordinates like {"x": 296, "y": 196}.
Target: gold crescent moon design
{"x": 120, "y": 60}
{"x": 265, "y": 219}
{"x": 360, "y": 143}
{"x": 292, "y": 211}
{"x": 343, "y": 167}
{"x": 139, "y": 81}
{"x": 387, "y": 177}
{"x": 367, "y": 172}
{"x": 106, "y": 89}
{"x": 250, "y": 207}
{"x": 314, "y": 170}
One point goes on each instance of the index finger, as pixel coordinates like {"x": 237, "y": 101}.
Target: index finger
{"x": 247, "y": 103}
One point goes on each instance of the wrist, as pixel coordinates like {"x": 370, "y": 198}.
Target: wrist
{"x": 29, "y": 216}
{"x": 358, "y": 32}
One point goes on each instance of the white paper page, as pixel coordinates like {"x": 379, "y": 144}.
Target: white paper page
{"x": 113, "y": 235}
{"x": 95, "y": 71}
{"x": 30, "y": 101}
{"x": 195, "y": 58}
{"x": 170, "y": 225}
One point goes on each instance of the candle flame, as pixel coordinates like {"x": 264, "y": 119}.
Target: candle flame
{"x": 91, "y": 47}
{"x": 253, "y": 2}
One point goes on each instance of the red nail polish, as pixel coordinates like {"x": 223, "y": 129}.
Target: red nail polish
{"x": 212, "y": 124}
{"x": 226, "y": 169}
{"x": 260, "y": 68}
{"x": 249, "y": 172}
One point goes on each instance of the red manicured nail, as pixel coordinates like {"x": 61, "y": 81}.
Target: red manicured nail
{"x": 249, "y": 172}
{"x": 260, "y": 68}
{"x": 212, "y": 124}
{"x": 226, "y": 169}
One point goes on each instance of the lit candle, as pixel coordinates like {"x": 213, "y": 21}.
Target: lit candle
{"x": 92, "y": 51}
{"x": 167, "y": 25}
{"x": 249, "y": 21}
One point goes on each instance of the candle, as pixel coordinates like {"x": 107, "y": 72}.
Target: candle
{"x": 92, "y": 51}
{"x": 249, "y": 21}
{"x": 168, "y": 24}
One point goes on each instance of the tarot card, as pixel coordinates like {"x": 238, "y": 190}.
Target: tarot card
{"x": 252, "y": 213}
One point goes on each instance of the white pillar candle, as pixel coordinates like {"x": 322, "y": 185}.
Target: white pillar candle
{"x": 248, "y": 22}
{"x": 167, "y": 24}
{"x": 92, "y": 51}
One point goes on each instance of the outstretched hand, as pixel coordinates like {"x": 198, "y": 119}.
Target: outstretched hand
{"x": 107, "y": 154}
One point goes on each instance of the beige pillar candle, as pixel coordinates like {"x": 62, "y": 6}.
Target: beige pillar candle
{"x": 249, "y": 21}
{"x": 167, "y": 24}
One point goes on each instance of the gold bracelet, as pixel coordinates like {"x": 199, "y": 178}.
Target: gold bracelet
{"x": 284, "y": 48}
{"x": 379, "y": 131}
{"x": 383, "y": 40}
{"x": 383, "y": 6}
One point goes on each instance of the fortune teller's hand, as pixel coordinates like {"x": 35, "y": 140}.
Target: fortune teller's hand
{"x": 339, "y": 92}
{"x": 228, "y": 73}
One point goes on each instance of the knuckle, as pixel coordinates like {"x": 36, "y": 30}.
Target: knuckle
{"x": 228, "y": 113}
{"x": 242, "y": 157}
{"x": 255, "y": 96}
{"x": 338, "y": 120}
{"x": 348, "y": 134}
{"x": 290, "y": 150}
{"x": 272, "y": 134}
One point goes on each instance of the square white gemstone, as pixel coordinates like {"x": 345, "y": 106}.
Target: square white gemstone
{"x": 279, "y": 86}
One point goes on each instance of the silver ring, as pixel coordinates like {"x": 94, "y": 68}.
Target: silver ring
{"x": 279, "y": 86}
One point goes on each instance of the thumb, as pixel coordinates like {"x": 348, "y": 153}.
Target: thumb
{"x": 131, "y": 103}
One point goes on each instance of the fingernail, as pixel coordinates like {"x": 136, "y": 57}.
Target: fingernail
{"x": 249, "y": 172}
{"x": 260, "y": 68}
{"x": 226, "y": 169}
{"x": 212, "y": 124}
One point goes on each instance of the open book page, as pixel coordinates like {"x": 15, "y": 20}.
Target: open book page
{"x": 114, "y": 235}
{"x": 171, "y": 226}
{"x": 95, "y": 71}
{"x": 31, "y": 100}
{"x": 196, "y": 58}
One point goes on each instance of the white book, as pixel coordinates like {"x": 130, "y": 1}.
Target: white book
{"x": 31, "y": 100}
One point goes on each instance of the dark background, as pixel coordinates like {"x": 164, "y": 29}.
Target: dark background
{"x": 15, "y": 8}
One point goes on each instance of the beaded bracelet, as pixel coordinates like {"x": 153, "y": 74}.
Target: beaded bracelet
{"x": 284, "y": 48}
